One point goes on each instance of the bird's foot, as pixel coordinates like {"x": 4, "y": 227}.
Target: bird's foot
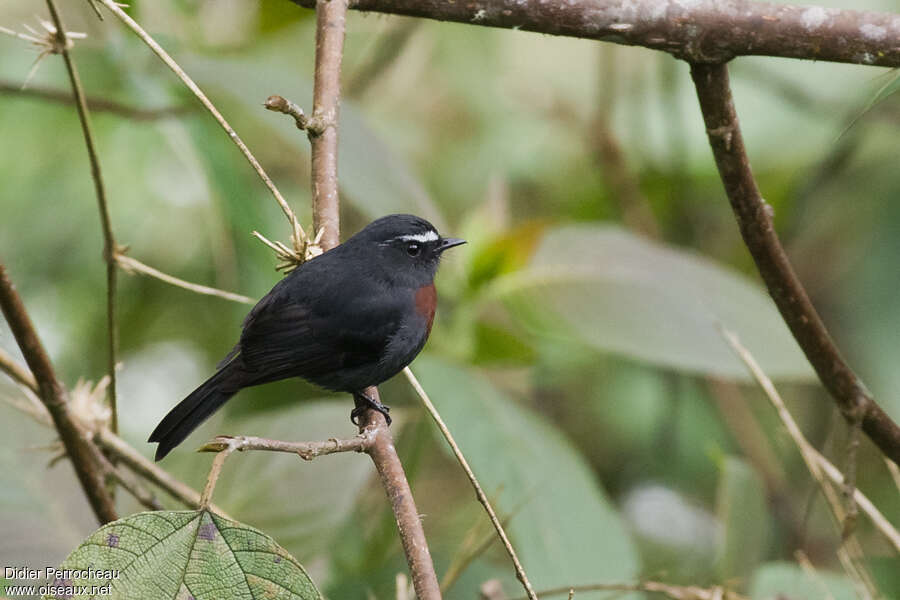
{"x": 364, "y": 403}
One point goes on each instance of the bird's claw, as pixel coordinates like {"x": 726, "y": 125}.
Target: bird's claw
{"x": 364, "y": 403}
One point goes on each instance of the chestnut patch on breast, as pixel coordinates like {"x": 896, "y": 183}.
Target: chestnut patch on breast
{"x": 426, "y": 303}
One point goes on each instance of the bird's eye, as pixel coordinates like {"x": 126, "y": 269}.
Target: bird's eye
{"x": 413, "y": 249}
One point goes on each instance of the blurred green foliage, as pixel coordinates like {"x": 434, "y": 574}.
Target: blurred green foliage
{"x": 571, "y": 354}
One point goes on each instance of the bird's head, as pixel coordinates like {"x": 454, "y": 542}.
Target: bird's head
{"x": 404, "y": 244}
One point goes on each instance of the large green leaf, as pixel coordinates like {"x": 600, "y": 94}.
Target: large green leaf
{"x": 182, "y": 554}
{"x": 614, "y": 291}
{"x": 565, "y": 529}
{"x": 774, "y": 581}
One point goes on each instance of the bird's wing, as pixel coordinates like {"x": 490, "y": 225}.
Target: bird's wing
{"x": 287, "y": 336}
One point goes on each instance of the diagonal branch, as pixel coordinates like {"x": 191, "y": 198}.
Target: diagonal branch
{"x": 131, "y": 265}
{"x": 81, "y": 452}
{"x": 819, "y": 466}
{"x": 109, "y": 240}
{"x": 482, "y": 497}
{"x": 298, "y": 236}
{"x": 754, "y": 219}
{"x": 701, "y": 31}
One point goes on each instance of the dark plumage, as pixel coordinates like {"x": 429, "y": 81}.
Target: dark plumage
{"x": 350, "y": 318}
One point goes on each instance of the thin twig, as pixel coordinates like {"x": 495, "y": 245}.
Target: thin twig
{"x": 95, "y": 104}
{"x": 18, "y": 372}
{"x": 482, "y": 497}
{"x": 676, "y": 592}
{"x": 305, "y": 450}
{"x": 131, "y": 265}
{"x": 719, "y": 30}
{"x": 30, "y": 406}
{"x": 283, "y": 105}
{"x": 149, "y": 470}
{"x": 818, "y": 465}
{"x": 754, "y": 219}
{"x": 214, "y": 471}
{"x": 471, "y": 549}
{"x": 894, "y": 470}
{"x": 53, "y": 395}
{"x": 297, "y": 234}
{"x": 109, "y": 240}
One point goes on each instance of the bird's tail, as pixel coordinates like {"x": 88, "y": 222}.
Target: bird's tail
{"x": 191, "y": 412}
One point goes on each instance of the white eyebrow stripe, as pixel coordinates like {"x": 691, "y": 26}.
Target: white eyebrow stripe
{"x": 428, "y": 236}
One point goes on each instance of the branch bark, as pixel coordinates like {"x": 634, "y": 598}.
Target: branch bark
{"x": 703, "y": 31}
{"x": 331, "y": 18}
{"x": 53, "y": 395}
{"x": 754, "y": 219}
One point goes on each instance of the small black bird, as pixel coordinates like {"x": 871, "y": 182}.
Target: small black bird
{"x": 350, "y": 318}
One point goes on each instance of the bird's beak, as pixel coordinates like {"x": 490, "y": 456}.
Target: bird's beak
{"x": 447, "y": 243}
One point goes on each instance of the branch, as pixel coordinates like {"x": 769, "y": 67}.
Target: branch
{"x": 114, "y": 446}
{"x": 109, "y": 240}
{"x": 131, "y": 265}
{"x": 331, "y": 19}
{"x": 95, "y": 104}
{"x": 817, "y": 464}
{"x": 330, "y": 28}
{"x": 482, "y": 497}
{"x": 754, "y": 219}
{"x": 52, "y": 394}
{"x": 702, "y": 31}
{"x": 305, "y": 450}
{"x": 17, "y": 372}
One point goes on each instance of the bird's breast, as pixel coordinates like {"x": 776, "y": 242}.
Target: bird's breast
{"x": 426, "y": 303}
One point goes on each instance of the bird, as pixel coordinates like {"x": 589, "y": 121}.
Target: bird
{"x": 350, "y": 318}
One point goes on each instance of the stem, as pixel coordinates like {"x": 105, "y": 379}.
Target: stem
{"x": 297, "y": 234}
{"x": 331, "y": 17}
{"x": 305, "y": 450}
{"x": 330, "y": 28}
{"x": 109, "y": 240}
{"x": 754, "y": 219}
{"x": 80, "y": 451}
{"x": 818, "y": 465}
{"x": 132, "y": 265}
{"x": 703, "y": 31}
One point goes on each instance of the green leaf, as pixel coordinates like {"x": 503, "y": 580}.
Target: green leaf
{"x": 786, "y": 580}
{"x": 616, "y": 292}
{"x": 565, "y": 529}
{"x": 742, "y": 511}
{"x": 183, "y": 554}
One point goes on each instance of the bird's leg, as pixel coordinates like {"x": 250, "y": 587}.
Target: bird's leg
{"x": 363, "y": 403}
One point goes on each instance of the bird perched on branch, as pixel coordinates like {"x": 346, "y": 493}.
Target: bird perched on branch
{"x": 348, "y": 319}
